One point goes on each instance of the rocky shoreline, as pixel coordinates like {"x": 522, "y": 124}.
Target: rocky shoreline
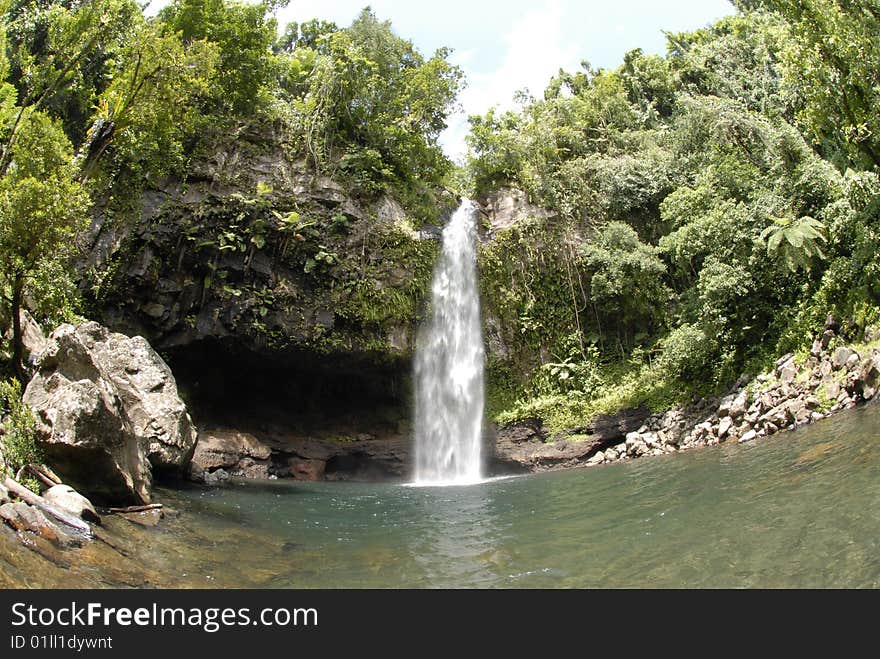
{"x": 797, "y": 392}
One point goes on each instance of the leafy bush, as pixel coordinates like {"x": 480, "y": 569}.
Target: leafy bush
{"x": 688, "y": 353}
{"x": 20, "y": 438}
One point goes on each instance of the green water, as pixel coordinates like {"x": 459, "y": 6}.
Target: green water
{"x": 798, "y": 510}
{"x": 801, "y": 509}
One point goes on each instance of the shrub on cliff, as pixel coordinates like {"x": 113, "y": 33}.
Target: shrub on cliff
{"x": 18, "y": 443}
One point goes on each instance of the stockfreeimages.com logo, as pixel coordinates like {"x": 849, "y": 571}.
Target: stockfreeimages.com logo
{"x": 95, "y": 614}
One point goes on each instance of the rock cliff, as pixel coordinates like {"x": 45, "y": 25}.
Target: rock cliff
{"x": 280, "y": 275}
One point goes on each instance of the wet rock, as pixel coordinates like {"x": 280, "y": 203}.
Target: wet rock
{"x": 609, "y": 428}
{"x": 253, "y": 469}
{"x": 68, "y": 499}
{"x": 195, "y": 473}
{"x": 216, "y": 476}
{"x": 108, "y": 412}
{"x": 23, "y": 517}
{"x": 307, "y": 470}
{"x": 147, "y": 518}
{"x": 522, "y": 431}
{"x": 226, "y": 448}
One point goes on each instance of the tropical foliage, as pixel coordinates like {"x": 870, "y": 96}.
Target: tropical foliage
{"x": 704, "y": 207}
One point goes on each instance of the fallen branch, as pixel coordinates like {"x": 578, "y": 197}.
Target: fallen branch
{"x": 39, "y": 502}
{"x": 137, "y": 509}
{"x": 47, "y": 471}
{"x": 45, "y": 479}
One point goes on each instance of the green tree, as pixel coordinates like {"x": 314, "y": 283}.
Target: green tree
{"x": 375, "y": 104}
{"x": 834, "y": 62}
{"x": 626, "y": 284}
{"x": 151, "y": 106}
{"x": 795, "y": 242}
{"x": 42, "y": 207}
{"x": 244, "y": 35}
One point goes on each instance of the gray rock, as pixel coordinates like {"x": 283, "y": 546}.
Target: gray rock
{"x": 739, "y": 405}
{"x": 724, "y": 426}
{"x": 108, "y": 412}
{"x": 788, "y": 373}
{"x": 4, "y": 494}
{"x": 785, "y": 359}
{"x": 218, "y": 476}
{"x": 725, "y": 404}
{"x": 389, "y": 211}
{"x": 840, "y": 356}
{"x": 507, "y": 207}
{"x": 226, "y": 448}
{"x": 66, "y": 498}
{"x": 748, "y": 436}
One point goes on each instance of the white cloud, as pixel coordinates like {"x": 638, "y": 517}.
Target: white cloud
{"x": 535, "y": 49}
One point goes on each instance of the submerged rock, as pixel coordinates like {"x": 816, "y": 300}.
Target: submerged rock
{"x": 108, "y": 412}
{"x": 23, "y": 517}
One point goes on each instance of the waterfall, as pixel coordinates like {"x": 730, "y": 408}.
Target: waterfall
{"x": 449, "y": 364}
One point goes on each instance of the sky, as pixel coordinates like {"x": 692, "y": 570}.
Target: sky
{"x": 504, "y": 46}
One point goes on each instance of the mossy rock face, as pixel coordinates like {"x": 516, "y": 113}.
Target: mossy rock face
{"x": 258, "y": 247}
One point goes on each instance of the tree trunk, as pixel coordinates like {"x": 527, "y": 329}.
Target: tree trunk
{"x": 17, "y": 291}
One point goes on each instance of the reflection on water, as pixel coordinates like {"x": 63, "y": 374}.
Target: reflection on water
{"x": 458, "y": 531}
{"x": 802, "y": 509}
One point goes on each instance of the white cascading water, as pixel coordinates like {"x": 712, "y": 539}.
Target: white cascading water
{"x": 449, "y": 364}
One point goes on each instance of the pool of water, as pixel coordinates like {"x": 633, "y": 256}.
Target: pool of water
{"x": 801, "y": 509}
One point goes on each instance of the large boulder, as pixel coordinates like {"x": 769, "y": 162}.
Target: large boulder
{"x": 226, "y": 448}
{"x": 108, "y": 413}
